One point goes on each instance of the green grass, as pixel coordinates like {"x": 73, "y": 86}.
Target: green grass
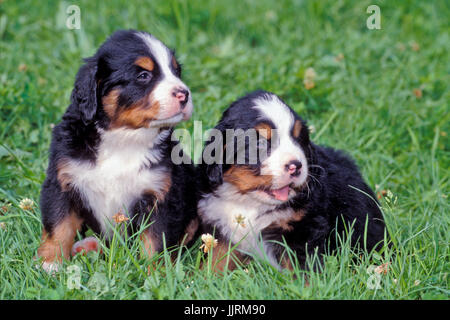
{"x": 363, "y": 103}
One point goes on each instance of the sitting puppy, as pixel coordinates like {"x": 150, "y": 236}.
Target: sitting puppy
{"x": 110, "y": 154}
{"x": 297, "y": 192}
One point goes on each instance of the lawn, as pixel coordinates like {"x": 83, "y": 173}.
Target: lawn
{"x": 382, "y": 95}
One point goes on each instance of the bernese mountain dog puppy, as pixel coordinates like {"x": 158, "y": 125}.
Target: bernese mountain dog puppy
{"x": 111, "y": 153}
{"x": 295, "y": 192}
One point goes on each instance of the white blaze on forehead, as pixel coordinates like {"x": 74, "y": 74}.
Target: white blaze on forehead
{"x": 272, "y": 108}
{"x": 160, "y": 52}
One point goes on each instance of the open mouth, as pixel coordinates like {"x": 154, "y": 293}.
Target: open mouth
{"x": 281, "y": 194}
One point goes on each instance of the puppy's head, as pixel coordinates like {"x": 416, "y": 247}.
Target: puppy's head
{"x": 279, "y": 170}
{"x": 133, "y": 81}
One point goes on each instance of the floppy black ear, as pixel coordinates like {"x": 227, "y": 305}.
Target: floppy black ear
{"x": 303, "y": 136}
{"x": 213, "y": 158}
{"x": 84, "y": 94}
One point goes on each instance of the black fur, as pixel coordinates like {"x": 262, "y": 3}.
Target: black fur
{"x": 336, "y": 196}
{"x": 78, "y": 136}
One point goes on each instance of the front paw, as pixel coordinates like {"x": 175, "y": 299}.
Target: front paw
{"x": 85, "y": 245}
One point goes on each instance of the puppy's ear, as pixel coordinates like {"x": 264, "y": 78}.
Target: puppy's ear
{"x": 300, "y": 132}
{"x": 212, "y": 159}
{"x": 84, "y": 94}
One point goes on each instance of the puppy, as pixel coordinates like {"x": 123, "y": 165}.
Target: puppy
{"x": 110, "y": 154}
{"x": 297, "y": 192}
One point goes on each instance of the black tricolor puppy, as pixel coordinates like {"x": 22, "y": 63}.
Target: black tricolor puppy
{"x": 110, "y": 154}
{"x": 298, "y": 191}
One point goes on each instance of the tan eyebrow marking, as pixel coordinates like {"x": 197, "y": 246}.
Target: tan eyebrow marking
{"x": 145, "y": 63}
{"x": 297, "y": 128}
{"x": 264, "y": 130}
{"x": 174, "y": 62}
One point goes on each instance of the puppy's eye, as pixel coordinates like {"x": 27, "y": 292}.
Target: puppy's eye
{"x": 144, "y": 76}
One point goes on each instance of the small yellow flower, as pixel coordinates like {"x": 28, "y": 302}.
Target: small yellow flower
{"x": 26, "y": 204}
{"x": 309, "y": 84}
{"x": 22, "y": 67}
{"x": 339, "y": 57}
{"x": 418, "y": 93}
{"x": 417, "y": 282}
{"x": 120, "y": 217}
{"x": 310, "y": 73}
{"x": 312, "y": 128}
{"x": 308, "y": 78}
{"x": 414, "y": 46}
{"x": 208, "y": 242}
{"x": 5, "y": 208}
{"x": 3, "y": 225}
{"x": 240, "y": 220}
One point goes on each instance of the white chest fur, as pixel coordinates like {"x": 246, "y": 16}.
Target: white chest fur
{"x": 241, "y": 219}
{"x": 122, "y": 172}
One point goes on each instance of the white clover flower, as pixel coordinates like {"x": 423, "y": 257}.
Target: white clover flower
{"x": 208, "y": 242}
{"x": 26, "y": 204}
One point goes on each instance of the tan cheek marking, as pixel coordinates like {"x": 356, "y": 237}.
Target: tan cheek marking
{"x": 297, "y": 129}
{"x": 145, "y": 63}
{"x": 110, "y": 103}
{"x": 137, "y": 115}
{"x": 245, "y": 180}
{"x": 264, "y": 130}
{"x": 60, "y": 240}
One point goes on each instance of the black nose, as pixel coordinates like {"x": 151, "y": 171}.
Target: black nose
{"x": 182, "y": 95}
{"x": 293, "y": 167}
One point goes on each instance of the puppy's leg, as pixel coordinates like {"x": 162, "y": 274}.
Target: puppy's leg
{"x": 152, "y": 243}
{"x": 145, "y": 211}
{"x": 223, "y": 259}
{"x": 190, "y": 232}
{"x": 57, "y": 243}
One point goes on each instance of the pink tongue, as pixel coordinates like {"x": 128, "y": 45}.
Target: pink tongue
{"x": 281, "y": 194}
